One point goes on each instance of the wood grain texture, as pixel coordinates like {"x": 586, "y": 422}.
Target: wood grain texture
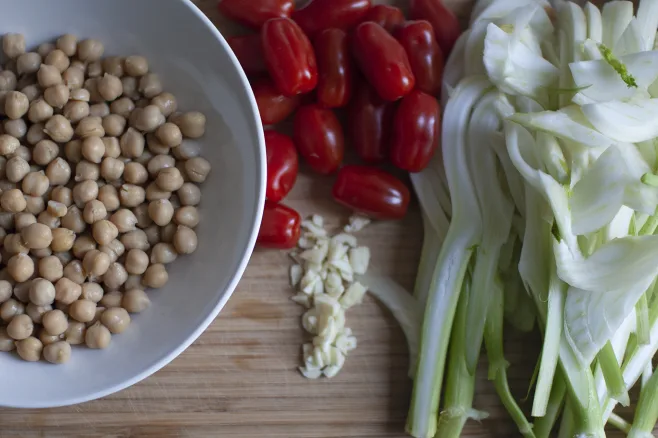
{"x": 239, "y": 378}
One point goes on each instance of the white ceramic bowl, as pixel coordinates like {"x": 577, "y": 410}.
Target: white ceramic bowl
{"x": 197, "y": 66}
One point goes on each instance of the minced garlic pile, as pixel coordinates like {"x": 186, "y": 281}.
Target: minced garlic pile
{"x": 324, "y": 277}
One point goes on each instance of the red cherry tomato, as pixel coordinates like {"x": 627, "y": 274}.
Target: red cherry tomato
{"x": 371, "y": 191}
{"x": 289, "y": 57}
{"x": 415, "y": 131}
{"x": 445, "y": 23}
{"x": 282, "y": 165}
{"x": 323, "y": 14}
{"x": 273, "y": 106}
{"x": 425, "y": 56}
{"x": 255, "y": 13}
{"x": 335, "y": 72}
{"x": 319, "y": 138}
{"x": 249, "y": 51}
{"x": 280, "y": 227}
{"x": 370, "y": 122}
{"x": 388, "y": 17}
{"x": 383, "y": 61}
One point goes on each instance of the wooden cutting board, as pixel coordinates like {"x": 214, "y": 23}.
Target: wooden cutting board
{"x": 240, "y": 378}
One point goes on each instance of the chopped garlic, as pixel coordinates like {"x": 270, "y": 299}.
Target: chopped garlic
{"x": 359, "y": 259}
{"x": 356, "y": 224}
{"x": 323, "y": 276}
{"x": 353, "y": 295}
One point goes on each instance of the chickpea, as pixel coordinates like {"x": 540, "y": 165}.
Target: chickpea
{"x": 58, "y": 59}
{"x": 95, "y": 264}
{"x": 16, "y": 128}
{"x": 152, "y": 234}
{"x": 150, "y": 85}
{"x": 6, "y": 343}
{"x": 154, "y": 193}
{"x": 84, "y": 192}
{"x": 131, "y": 195}
{"x": 20, "y": 327}
{"x": 155, "y": 276}
{"x": 125, "y": 220}
{"x": 58, "y": 171}
{"x": 161, "y": 211}
{"x": 135, "y": 301}
{"x": 114, "y": 249}
{"x": 57, "y": 209}
{"x": 76, "y": 110}
{"x": 13, "y": 201}
{"x": 44, "y": 49}
{"x": 35, "y": 184}
{"x": 36, "y": 312}
{"x": 42, "y": 292}
{"x": 13, "y": 45}
{"x": 114, "y": 125}
{"x": 16, "y": 104}
{"x": 50, "y": 268}
{"x": 188, "y": 216}
{"x": 169, "y": 179}
{"x": 132, "y": 143}
{"x": 55, "y": 322}
{"x": 109, "y": 196}
{"x": 142, "y": 214}
{"x": 59, "y": 129}
{"x": 82, "y": 310}
{"x": 90, "y": 126}
{"x": 14, "y": 244}
{"x": 48, "y": 75}
{"x": 185, "y": 240}
{"x": 74, "y": 78}
{"x": 92, "y": 291}
{"x": 24, "y": 153}
{"x": 90, "y": 50}
{"x": 62, "y": 194}
{"x": 8, "y": 144}
{"x": 39, "y": 111}
{"x": 98, "y": 336}
{"x": 169, "y": 135}
{"x": 94, "y": 211}
{"x": 135, "y": 66}
{"x": 155, "y": 146}
{"x": 82, "y": 245}
{"x": 67, "y": 291}
{"x": 93, "y": 149}
{"x": 122, "y": 107}
{"x": 35, "y": 133}
{"x": 167, "y": 232}
{"x": 112, "y": 169}
{"x": 8, "y": 81}
{"x": 28, "y": 63}
{"x": 135, "y": 173}
{"x": 6, "y": 291}
{"x": 10, "y": 308}
{"x": 68, "y": 44}
{"x": 136, "y": 239}
{"x": 110, "y": 87}
{"x": 57, "y": 96}
{"x": 115, "y": 276}
{"x": 87, "y": 171}
{"x": 75, "y": 333}
{"x": 136, "y": 262}
{"x": 192, "y": 124}
{"x": 57, "y": 352}
{"x": 197, "y": 169}
{"x": 159, "y": 162}
{"x": 112, "y": 147}
{"x": 48, "y": 219}
{"x": 189, "y": 194}
{"x": 33, "y": 92}
{"x": 147, "y": 119}
{"x": 133, "y": 282}
{"x": 22, "y": 220}
{"x": 95, "y": 69}
{"x": 29, "y": 349}
{"x": 104, "y": 231}
{"x": 187, "y": 150}
{"x": 44, "y": 152}
{"x": 166, "y": 102}
{"x": 116, "y": 319}
{"x": 41, "y": 253}
{"x": 81, "y": 95}
{"x": 73, "y": 220}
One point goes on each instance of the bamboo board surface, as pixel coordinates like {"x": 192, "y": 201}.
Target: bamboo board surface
{"x": 239, "y": 378}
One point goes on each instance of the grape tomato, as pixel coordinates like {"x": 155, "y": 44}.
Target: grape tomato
{"x": 445, "y": 23}
{"x": 249, "y": 51}
{"x": 370, "y": 124}
{"x": 319, "y": 138}
{"x": 282, "y": 165}
{"x": 388, "y": 17}
{"x": 335, "y": 70}
{"x": 324, "y": 14}
{"x": 425, "y": 56}
{"x": 280, "y": 227}
{"x": 273, "y": 106}
{"x": 255, "y": 13}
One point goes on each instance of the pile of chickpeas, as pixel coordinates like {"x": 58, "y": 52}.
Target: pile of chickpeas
{"x": 98, "y": 193}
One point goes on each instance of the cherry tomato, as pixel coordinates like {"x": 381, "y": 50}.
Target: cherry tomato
{"x": 249, "y": 51}
{"x": 319, "y": 138}
{"x": 370, "y": 122}
{"x": 289, "y": 57}
{"x": 280, "y": 227}
{"x": 323, "y": 14}
{"x": 335, "y": 72}
{"x": 388, "y": 17}
{"x": 273, "y": 106}
{"x": 383, "y": 61}
{"x": 415, "y": 131}
{"x": 425, "y": 56}
{"x": 371, "y": 191}
{"x": 255, "y": 13}
{"x": 282, "y": 165}
{"x": 445, "y": 23}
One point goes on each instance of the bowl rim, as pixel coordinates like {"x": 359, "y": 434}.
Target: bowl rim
{"x": 242, "y": 265}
